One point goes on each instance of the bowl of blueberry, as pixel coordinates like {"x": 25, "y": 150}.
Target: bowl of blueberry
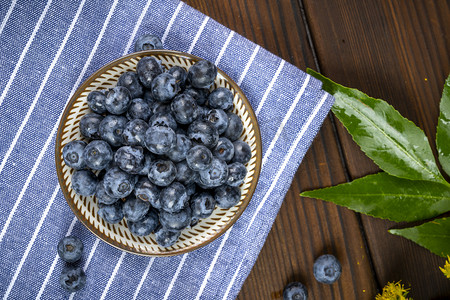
{"x": 158, "y": 153}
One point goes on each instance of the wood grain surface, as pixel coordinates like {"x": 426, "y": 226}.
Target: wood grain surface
{"x": 394, "y": 50}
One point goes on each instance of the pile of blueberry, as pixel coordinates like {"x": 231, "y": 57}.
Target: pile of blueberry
{"x": 165, "y": 146}
{"x": 72, "y": 277}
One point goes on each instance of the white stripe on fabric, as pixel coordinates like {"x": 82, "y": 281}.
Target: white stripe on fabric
{"x": 47, "y": 143}
{"x": 113, "y": 275}
{"x": 269, "y": 88}
{"x": 166, "y": 32}
{"x": 136, "y": 293}
{"x": 30, "y": 244}
{"x": 213, "y": 263}
{"x": 232, "y": 280}
{"x": 197, "y": 36}
{"x": 136, "y": 27}
{"x": 285, "y": 119}
{"x": 8, "y": 13}
{"x": 41, "y": 88}
{"x": 172, "y": 283}
{"x": 286, "y": 159}
{"x": 249, "y": 63}
{"x": 55, "y": 260}
{"x": 24, "y": 52}
{"x": 222, "y": 51}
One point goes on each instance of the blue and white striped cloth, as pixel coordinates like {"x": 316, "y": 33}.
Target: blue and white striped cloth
{"x": 48, "y": 48}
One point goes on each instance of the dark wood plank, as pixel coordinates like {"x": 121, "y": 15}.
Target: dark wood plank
{"x": 304, "y": 228}
{"x": 397, "y": 51}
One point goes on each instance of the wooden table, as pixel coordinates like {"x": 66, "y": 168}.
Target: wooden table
{"x": 398, "y": 51}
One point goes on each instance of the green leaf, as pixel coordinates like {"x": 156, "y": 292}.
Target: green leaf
{"x": 433, "y": 235}
{"x": 443, "y": 129}
{"x": 388, "y": 197}
{"x": 393, "y": 142}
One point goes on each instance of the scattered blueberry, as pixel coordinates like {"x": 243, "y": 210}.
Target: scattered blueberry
{"x": 70, "y": 249}
{"x": 166, "y": 238}
{"x": 175, "y": 221}
{"x": 202, "y": 205}
{"x": 134, "y": 209}
{"x": 130, "y": 159}
{"x": 147, "y": 69}
{"x": 89, "y": 125}
{"x": 84, "y": 182}
{"x": 72, "y": 278}
{"x": 118, "y": 100}
{"x": 96, "y": 102}
{"x": 203, "y": 133}
{"x": 178, "y": 152}
{"x": 73, "y": 154}
{"x": 180, "y": 76}
{"x": 111, "y": 213}
{"x": 111, "y": 129}
{"x": 221, "y": 98}
{"x": 174, "y": 197}
{"x": 185, "y": 175}
{"x": 236, "y": 174}
{"x": 199, "y": 158}
{"x": 235, "y": 127}
{"x": 327, "y": 269}
{"x": 184, "y": 109}
{"x": 295, "y": 291}
{"x": 139, "y": 109}
{"x": 130, "y": 80}
{"x": 146, "y": 225}
{"x": 147, "y": 191}
{"x": 147, "y": 42}
{"x": 224, "y": 149}
{"x": 160, "y": 139}
{"x": 162, "y": 172}
{"x": 202, "y": 74}
{"x": 216, "y": 175}
{"x": 98, "y": 154}
{"x": 134, "y": 132}
{"x": 227, "y": 196}
{"x": 219, "y": 119}
{"x": 165, "y": 119}
{"x": 242, "y": 152}
{"x": 164, "y": 87}
{"x": 118, "y": 183}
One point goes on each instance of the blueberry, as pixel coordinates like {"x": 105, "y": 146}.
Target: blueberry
{"x": 130, "y": 159}
{"x": 202, "y": 205}
{"x": 203, "y": 133}
{"x": 111, "y": 129}
{"x": 134, "y": 132}
{"x": 242, "y": 152}
{"x": 98, "y": 154}
{"x": 175, "y": 221}
{"x": 200, "y": 95}
{"x": 134, "y": 209}
{"x": 162, "y": 108}
{"x": 236, "y": 174}
{"x": 165, "y": 119}
{"x": 202, "y": 74}
{"x": 118, "y": 183}
{"x": 139, "y": 109}
{"x": 147, "y": 69}
{"x": 147, "y": 42}
{"x": 84, "y": 182}
{"x": 148, "y": 159}
{"x": 96, "y": 102}
{"x": 184, "y": 109}
{"x": 162, "y": 172}
{"x": 102, "y": 196}
{"x": 72, "y": 278}
{"x": 224, "y": 149}
{"x": 202, "y": 112}
{"x": 118, "y": 100}
{"x": 180, "y": 76}
{"x": 70, "y": 249}
{"x": 180, "y": 149}
{"x": 130, "y": 80}
{"x": 235, "y": 127}
{"x": 199, "y": 158}
{"x": 295, "y": 291}
{"x": 148, "y": 97}
{"x": 147, "y": 191}
{"x": 89, "y": 125}
{"x": 174, "y": 197}
{"x": 166, "y": 238}
{"x": 215, "y": 175}
{"x": 185, "y": 175}
{"x": 219, "y": 119}
{"x": 227, "y": 196}
{"x": 111, "y": 213}
{"x": 73, "y": 154}
{"x": 327, "y": 269}
{"x": 191, "y": 189}
{"x": 159, "y": 139}
{"x": 146, "y": 225}
{"x": 164, "y": 87}
{"x": 221, "y": 98}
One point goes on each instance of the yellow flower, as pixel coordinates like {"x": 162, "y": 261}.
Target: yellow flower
{"x": 446, "y": 268}
{"x": 393, "y": 291}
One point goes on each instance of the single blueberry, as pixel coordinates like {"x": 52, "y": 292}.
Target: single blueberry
{"x": 111, "y": 129}
{"x": 72, "y": 278}
{"x": 70, "y": 249}
{"x": 242, "y": 152}
{"x": 175, "y": 221}
{"x": 221, "y": 98}
{"x": 162, "y": 172}
{"x": 139, "y": 109}
{"x": 180, "y": 76}
{"x": 73, "y": 154}
{"x": 146, "y": 225}
{"x": 327, "y": 269}
{"x": 130, "y": 80}
{"x": 235, "y": 127}
{"x": 184, "y": 109}
{"x": 164, "y": 87}
{"x": 134, "y": 132}
{"x": 147, "y": 191}
{"x": 202, "y": 205}
{"x": 165, "y": 119}
{"x": 174, "y": 197}
{"x": 96, "y": 102}
{"x": 134, "y": 209}
{"x": 147, "y": 69}
{"x": 180, "y": 149}
{"x": 89, "y": 125}
{"x": 224, "y": 149}
{"x": 199, "y": 158}
{"x": 219, "y": 119}
{"x": 118, "y": 183}
{"x": 147, "y": 42}
{"x": 216, "y": 174}
{"x": 202, "y": 74}
{"x": 295, "y": 291}
{"x": 111, "y": 213}
{"x": 203, "y": 133}
{"x": 200, "y": 95}
{"x": 102, "y": 196}
{"x": 130, "y": 159}
{"x": 159, "y": 139}
{"x": 118, "y": 100}
{"x": 236, "y": 174}
{"x": 227, "y": 196}
{"x": 98, "y": 154}
{"x": 185, "y": 175}
{"x": 84, "y": 182}
{"x": 166, "y": 238}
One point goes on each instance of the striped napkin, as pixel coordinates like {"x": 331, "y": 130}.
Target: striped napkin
{"x": 48, "y": 48}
